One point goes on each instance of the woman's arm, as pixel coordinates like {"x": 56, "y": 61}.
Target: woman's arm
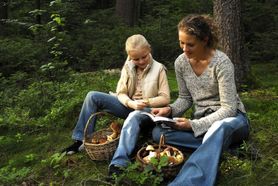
{"x": 184, "y": 101}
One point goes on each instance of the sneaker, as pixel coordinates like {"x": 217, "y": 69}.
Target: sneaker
{"x": 114, "y": 170}
{"x": 77, "y": 146}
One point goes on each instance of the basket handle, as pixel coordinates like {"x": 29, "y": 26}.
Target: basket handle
{"x": 88, "y": 123}
{"x": 161, "y": 143}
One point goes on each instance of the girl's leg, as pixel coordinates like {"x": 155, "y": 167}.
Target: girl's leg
{"x": 129, "y": 135}
{"x": 94, "y": 102}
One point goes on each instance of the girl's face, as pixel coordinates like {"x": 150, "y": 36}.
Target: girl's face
{"x": 140, "y": 57}
{"x": 191, "y": 46}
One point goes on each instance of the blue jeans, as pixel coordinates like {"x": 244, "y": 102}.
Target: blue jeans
{"x": 129, "y": 136}
{"x": 201, "y": 167}
{"x": 95, "y": 102}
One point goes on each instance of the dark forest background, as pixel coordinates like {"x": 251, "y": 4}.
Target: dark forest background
{"x": 87, "y": 35}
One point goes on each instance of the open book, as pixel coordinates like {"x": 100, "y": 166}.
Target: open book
{"x": 161, "y": 120}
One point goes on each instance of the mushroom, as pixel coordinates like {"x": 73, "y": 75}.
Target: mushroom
{"x": 102, "y": 140}
{"x": 149, "y": 148}
{"x": 172, "y": 160}
{"x": 112, "y": 136}
{"x": 95, "y": 141}
{"x": 179, "y": 158}
{"x": 115, "y": 127}
{"x": 152, "y": 154}
{"x": 168, "y": 151}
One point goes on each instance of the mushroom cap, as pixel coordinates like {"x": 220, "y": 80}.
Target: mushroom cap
{"x": 150, "y": 148}
{"x": 116, "y": 128}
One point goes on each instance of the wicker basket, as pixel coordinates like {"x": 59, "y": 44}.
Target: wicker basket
{"x": 99, "y": 151}
{"x": 168, "y": 171}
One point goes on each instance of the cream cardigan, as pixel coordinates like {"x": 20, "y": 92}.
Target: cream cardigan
{"x": 155, "y": 85}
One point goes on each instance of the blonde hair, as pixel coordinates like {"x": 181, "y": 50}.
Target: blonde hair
{"x": 136, "y": 42}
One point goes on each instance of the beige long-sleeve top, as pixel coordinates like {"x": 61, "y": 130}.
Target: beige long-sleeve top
{"x": 154, "y": 82}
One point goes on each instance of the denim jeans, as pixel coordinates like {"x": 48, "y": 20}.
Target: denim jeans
{"x": 129, "y": 136}
{"x": 95, "y": 102}
{"x": 201, "y": 167}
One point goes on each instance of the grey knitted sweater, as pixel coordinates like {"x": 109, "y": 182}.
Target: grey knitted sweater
{"x": 213, "y": 93}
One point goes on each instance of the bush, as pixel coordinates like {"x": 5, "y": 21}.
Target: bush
{"x": 20, "y": 54}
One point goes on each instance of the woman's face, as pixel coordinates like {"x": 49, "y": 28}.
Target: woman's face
{"x": 191, "y": 45}
{"x": 140, "y": 57}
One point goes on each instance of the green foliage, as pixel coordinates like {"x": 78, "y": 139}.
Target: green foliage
{"x": 47, "y": 103}
{"x": 158, "y": 164}
{"x": 261, "y": 37}
{"x": 19, "y": 54}
{"x": 134, "y": 175}
{"x": 10, "y": 175}
{"x": 54, "y": 160}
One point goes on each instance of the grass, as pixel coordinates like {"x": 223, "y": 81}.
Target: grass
{"x": 30, "y": 156}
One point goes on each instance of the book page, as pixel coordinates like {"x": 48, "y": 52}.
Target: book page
{"x": 160, "y": 119}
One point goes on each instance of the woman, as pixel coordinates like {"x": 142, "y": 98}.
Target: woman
{"x": 143, "y": 83}
{"x": 206, "y": 80}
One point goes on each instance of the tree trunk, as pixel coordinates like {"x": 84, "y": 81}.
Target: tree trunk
{"x": 38, "y": 6}
{"x": 128, "y": 10}
{"x": 3, "y": 9}
{"x": 227, "y": 15}
{"x": 3, "y": 15}
{"x": 104, "y": 3}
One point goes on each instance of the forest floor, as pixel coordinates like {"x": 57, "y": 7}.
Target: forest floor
{"x": 33, "y": 157}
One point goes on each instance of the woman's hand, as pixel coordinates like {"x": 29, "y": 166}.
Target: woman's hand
{"x": 164, "y": 111}
{"x": 182, "y": 124}
{"x": 137, "y": 104}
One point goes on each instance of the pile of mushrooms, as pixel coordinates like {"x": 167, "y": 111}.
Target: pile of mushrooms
{"x": 174, "y": 156}
{"x": 116, "y": 130}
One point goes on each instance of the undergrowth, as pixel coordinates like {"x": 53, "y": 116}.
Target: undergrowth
{"x": 37, "y": 119}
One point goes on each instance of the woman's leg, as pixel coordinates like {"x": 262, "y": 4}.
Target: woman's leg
{"x": 201, "y": 167}
{"x": 177, "y": 138}
{"x": 129, "y": 137}
{"x": 94, "y": 102}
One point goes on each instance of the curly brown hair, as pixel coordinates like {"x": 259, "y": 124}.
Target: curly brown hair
{"x": 201, "y": 26}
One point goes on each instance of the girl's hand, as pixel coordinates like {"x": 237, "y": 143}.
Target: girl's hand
{"x": 137, "y": 104}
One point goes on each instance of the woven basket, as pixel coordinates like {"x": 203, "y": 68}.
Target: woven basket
{"x": 168, "y": 171}
{"x": 99, "y": 151}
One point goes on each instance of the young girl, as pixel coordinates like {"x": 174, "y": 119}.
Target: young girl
{"x": 143, "y": 83}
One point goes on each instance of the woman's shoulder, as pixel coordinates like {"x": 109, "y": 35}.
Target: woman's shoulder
{"x": 180, "y": 60}
{"x": 182, "y": 63}
{"x": 222, "y": 62}
{"x": 181, "y": 57}
{"x": 221, "y": 56}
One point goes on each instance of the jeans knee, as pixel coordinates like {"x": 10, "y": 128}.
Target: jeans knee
{"x": 133, "y": 113}
{"x": 126, "y": 126}
{"x": 156, "y": 133}
{"x": 91, "y": 97}
{"x": 91, "y": 94}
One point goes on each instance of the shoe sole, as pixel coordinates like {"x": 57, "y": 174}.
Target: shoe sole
{"x": 81, "y": 148}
